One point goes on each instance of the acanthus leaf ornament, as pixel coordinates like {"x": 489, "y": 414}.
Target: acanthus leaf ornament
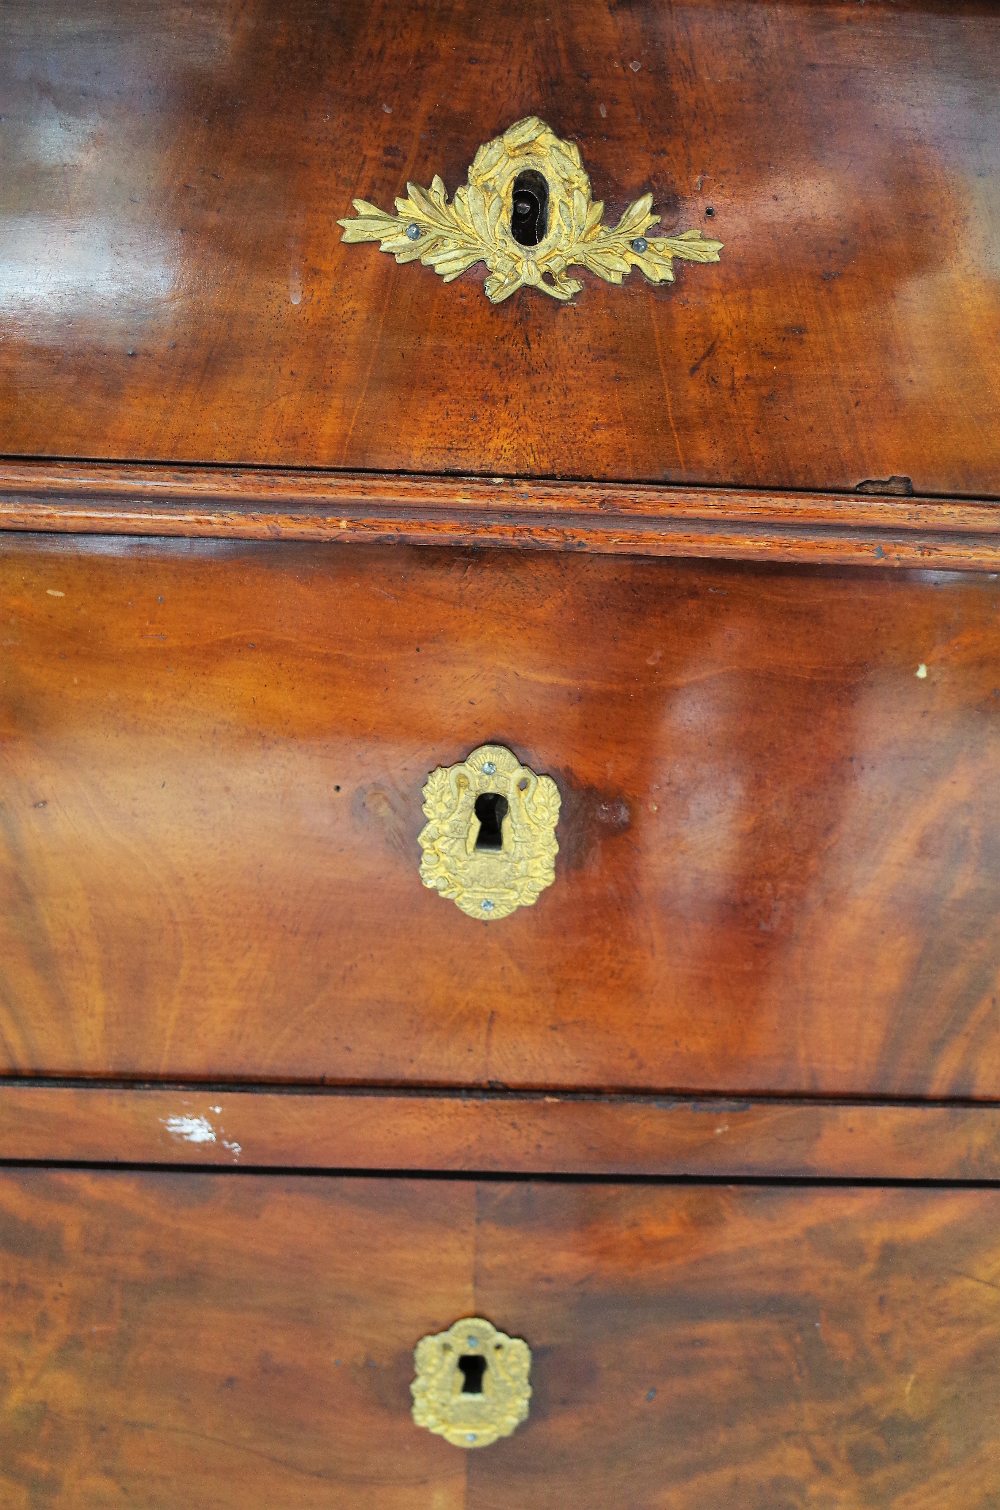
{"x": 479, "y": 223}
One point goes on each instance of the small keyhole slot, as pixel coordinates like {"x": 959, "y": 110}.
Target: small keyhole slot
{"x": 491, "y": 809}
{"x": 529, "y": 217}
{"x": 473, "y": 1370}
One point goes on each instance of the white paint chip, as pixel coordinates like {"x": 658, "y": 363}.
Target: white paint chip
{"x": 921, "y": 672}
{"x": 199, "y": 1130}
{"x": 190, "y": 1129}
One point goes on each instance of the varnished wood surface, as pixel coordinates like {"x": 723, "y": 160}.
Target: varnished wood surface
{"x": 174, "y": 285}
{"x": 779, "y": 844}
{"x": 270, "y": 504}
{"x": 501, "y": 1133}
{"x": 247, "y": 1341}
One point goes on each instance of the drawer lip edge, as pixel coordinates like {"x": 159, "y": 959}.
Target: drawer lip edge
{"x": 615, "y": 1136}
{"x": 192, "y": 501}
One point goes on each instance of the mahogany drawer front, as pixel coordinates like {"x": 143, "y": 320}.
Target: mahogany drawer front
{"x": 779, "y": 862}
{"x": 248, "y": 1341}
{"x": 177, "y": 286}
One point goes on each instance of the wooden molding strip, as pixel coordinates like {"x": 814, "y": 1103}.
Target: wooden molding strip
{"x": 501, "y": 1133}
{"x": 261, "y": 504}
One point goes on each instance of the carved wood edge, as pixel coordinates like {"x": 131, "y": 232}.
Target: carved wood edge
{"x": 245, "y": 503}
{"x": 503, "y": 1133}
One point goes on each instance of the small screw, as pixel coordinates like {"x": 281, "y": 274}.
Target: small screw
{"x": 412, "y": 231}
{"x": 640, "y": 244}
{"x": 487, "y": 906}
{"x": 488, "y": 768}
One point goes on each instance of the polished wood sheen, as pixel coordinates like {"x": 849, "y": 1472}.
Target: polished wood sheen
{"x": 503, "y": 1132}
{"x": 779, "y": 862}
{"x": 173, "y": 284}
{"x": 239, "y": 503}
{"x": 248, "y": 1342}
{"x": 715, "y": 1124}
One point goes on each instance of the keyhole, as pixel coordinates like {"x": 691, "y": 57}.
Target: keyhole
{"x": 491, "y": 810}
{"x": 529, "y": 219}
{"x": 473, "y": 1369}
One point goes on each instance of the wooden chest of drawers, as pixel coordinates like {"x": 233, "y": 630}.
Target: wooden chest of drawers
{"x": 656, "y": 624}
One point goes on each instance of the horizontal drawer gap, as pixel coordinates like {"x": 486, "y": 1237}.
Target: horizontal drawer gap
{"x": 702, "y": 1100}
{"x": 492, "y": 1176}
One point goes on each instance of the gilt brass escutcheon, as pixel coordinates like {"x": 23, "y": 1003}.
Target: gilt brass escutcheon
{"x": 527, "y": 211}
{"x": 489, "y": 843}
{"x": 472, "y": 1383}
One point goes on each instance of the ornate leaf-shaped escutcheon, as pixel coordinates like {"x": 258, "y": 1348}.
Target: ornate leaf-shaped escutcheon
{"x": 478, "y": 225}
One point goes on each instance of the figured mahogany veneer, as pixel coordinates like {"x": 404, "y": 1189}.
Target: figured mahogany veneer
{"x": 779, "y": 863}
{"x": 173, "y": 283}
{"x": 239, "y": 1341}
{"x": 772, "y": 948}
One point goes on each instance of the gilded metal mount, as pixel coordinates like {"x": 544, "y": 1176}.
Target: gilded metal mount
{"x": 489, "y": 843}
{"x": 472, "y": 1383}
{"x": 486, "y": 222}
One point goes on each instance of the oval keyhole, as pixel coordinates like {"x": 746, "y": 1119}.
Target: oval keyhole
{"x": 529, "y": 217}
{"x": 472, "y": 1369}
{"x": 491, "y": 809}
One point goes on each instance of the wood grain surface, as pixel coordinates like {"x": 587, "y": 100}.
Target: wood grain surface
{"x": 173, "y": 284}
{"x": 504, "y": 1132}
{"x": 779, "y": 864}
{"x": 247, "y": 1341}
{"x": 239, "y": 503}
